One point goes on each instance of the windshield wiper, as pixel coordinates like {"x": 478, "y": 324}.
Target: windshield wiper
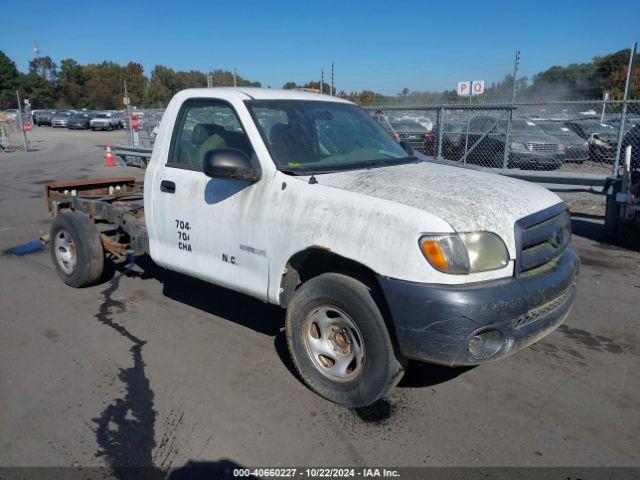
{"x": 303, "y": 170}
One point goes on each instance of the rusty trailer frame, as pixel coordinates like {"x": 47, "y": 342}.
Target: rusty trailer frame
{"x": 115, "y": 205}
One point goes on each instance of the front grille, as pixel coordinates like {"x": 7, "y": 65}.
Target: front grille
{"x": 538, "y": 312}
{"x": 542, "y": 237}
{"x": 542, "y": 147}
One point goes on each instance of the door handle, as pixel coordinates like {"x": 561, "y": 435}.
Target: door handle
{"x": 167, "y": 186}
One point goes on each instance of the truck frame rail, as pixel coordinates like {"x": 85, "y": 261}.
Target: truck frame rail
{"x": 116, "y": 207}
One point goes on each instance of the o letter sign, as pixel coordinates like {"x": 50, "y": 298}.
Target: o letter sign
{"x": 477, "y": 87}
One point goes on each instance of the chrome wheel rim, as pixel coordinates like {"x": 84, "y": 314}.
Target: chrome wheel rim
{"x": 65, "y": 250}
{"x": 334, "y": 343}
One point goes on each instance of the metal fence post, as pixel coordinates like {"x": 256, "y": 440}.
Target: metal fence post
{"x": 507, "y": 140}
{"x": 21, "y": 125}
{"x": 128, "y": 106}
{"x": 623, "y": 115}
{"x": 440, "y": 131}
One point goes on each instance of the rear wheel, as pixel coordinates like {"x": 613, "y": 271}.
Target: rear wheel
{"x": 339, "y": 341}
{"x": 76, "y": 249}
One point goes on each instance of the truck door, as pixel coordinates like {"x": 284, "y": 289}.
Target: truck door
{"x": 214, "y": 229}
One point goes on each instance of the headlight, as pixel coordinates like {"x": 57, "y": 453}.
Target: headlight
{"x": 486, "y": 251}
{"x": 517, "y": 146}
{"x": 560, "y": 147}
{"x": 464, "y": 252}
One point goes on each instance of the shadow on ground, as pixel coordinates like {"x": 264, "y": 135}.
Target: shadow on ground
{"x": 220, "y": 470}
{"x": 261, "y": 317}
{"x": 421, "y": 375}
{"x": 236, "y": 307}
{"x": 591, "y": 227}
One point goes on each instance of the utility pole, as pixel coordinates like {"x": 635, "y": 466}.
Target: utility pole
{"x": 24, "y": 134}
{"x": 507, "y": 143}
{"x": 332, "y": 91}
{"x": 604, "y": 105}
{"x": 321, "y": 79}
{"x": 36, "y": 52}
{"x": 209, "y": 81}
{"x": 235, "y": 74}
{"x": 623, "y": 116}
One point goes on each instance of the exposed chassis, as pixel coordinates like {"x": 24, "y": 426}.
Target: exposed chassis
{"x": 114, "y": 204}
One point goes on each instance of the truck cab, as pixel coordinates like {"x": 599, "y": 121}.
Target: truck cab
{"x": 379, "y": 254}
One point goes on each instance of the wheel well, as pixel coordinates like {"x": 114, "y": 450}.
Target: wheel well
{"x": 315, "y": 261}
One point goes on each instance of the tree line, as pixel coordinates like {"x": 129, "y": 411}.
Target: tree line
{"x": 100, "y": 85}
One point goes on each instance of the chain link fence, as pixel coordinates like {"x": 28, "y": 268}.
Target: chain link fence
{"x": 579, "y": 136}
{"x": 11, "y": 135}
{"x": 146, "y": 123}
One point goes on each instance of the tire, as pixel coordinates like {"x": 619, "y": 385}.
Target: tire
{"x": 76, "y": 249}
{"x": 337, "y": 299}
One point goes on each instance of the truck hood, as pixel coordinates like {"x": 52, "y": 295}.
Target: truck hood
{"x": 465, "y": 198}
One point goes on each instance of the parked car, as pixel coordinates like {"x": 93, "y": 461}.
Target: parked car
{"x": 632, "y": 137}
{"x": 576, "y": 148}
{"x": 425, "y": 122}
{"x": 79, "y": 121}
{"x": 417, "y": 135}
{"x": 601, "y": 137}
{"x": 60, "y": 120}
{"x": 377, "y": 256}
{"x": 453, "y": 140}
{"x": 43, "y": 117}
{"x": 384, "y": 122}
{"x": 530, "y": 147}
{"x": 105, "y": 121}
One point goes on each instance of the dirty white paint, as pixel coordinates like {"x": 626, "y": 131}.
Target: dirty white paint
{"x": 468, "y": 200}
{"x": 374, "y": 217}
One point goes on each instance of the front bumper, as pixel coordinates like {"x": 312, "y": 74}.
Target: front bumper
{"x": 603, "y": 153}
{"x": 578, "y": 154}
{"x": 534, "y": 160}
{"x": 436, "y": 323}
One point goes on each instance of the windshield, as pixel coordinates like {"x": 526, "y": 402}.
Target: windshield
{"x": 78, "y": 116}
{"x": 102, "y": 115}
{"x": 406, "y": 127}
{"x": 595, "y": 127}
{"x": 305, "y": 136}
{"x": 526, "y": 126}
{"x": 556, "y": 128}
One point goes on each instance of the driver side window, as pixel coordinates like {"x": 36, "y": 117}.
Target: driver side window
{"x": 205, "y": 125}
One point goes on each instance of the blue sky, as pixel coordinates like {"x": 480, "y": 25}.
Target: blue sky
{"x": 382, "y": 45}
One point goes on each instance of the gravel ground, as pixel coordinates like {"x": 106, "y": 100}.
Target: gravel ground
{"x": 154, "y": 368}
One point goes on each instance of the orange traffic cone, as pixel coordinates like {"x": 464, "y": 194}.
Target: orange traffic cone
{"x": 108, "y": 159}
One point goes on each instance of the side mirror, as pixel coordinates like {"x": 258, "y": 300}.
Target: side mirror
{"x": 407, "y": 147}
{"x": 230, "y": 164}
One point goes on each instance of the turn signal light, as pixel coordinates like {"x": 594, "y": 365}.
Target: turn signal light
{"x": 434, "y": 253}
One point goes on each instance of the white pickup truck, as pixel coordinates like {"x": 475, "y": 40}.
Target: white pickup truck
{"x": 304, "y": 201}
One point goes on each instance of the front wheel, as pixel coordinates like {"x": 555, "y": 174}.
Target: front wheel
{"x": 339, "y": 341}
{"x": 76, "y": 249}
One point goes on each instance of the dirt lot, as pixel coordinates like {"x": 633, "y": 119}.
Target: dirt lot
{"x": 156, "y": 368}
